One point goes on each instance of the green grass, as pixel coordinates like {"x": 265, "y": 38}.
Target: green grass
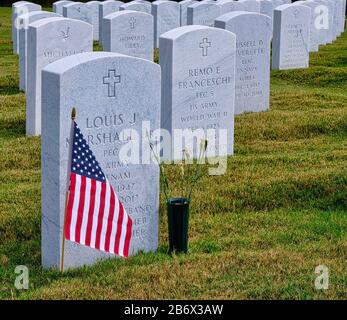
{"x": 257, "y": 232}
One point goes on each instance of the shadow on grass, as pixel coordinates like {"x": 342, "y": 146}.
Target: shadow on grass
{"x": 9, "y": 90}
{"x": 313, "y": 77}
{"x": 12, "y": 128}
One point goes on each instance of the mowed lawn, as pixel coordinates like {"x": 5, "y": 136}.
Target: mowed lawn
{"x": 257, "y": 232}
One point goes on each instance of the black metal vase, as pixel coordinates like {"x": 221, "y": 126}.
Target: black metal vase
{"x": 178, "y": 222}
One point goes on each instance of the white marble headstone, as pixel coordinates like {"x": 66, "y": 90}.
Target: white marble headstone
{"x": 27, "y": 19}
{"x": 58, "y": 6}
{"x": 332, "y": 16}
{"x": 198, "y": 83}
{"x": 253, "y": 42}
{"x": 291, "y": 36}
{"x": 105, "y": 8}
{"x": 250, "y": 5}
{"x": 129, "y": 32}
{"x": 166, "y": 17}
{"x": 203, "y": 13}
{"x": 93, "y": 7}
{"x": 314, "y": 31}
{"x": 18, "y": 9}
{"x": 342, "y": 16}
{"x": 278, "y": 3}
{"x": 110, "y": 95}
{"x": 330, "y": 5}
{"x": 50, "y": 39}
{"x": 267, "y": 8}
{"x": 323, "y": 32}
{"x": 231, "y": 5}
{"x": 183, "y": 10}
{"x": 137, "y": 5}
{"x": 77, "y": 11}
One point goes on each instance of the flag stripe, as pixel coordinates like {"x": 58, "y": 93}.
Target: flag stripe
{"x": 90, "y": 213}
{"x": 69, "y": 205}
{"x": 114, "y": 225}
{"x": 110, "y": 221}
{"x": 119, "y": 228}
{"x": 85, "y": 211}
{"x": 95, "y": 213}
{"x": 105, "y": 217}
{"x": 123, "y": 230}
{"x": 79, "y": 212}
{"x": 100, "y": 215}
{"x": 75, "y": 208}
{"x": 128, "y": 237}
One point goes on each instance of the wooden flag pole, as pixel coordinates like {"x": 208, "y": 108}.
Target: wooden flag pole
{"x": 73, "y": 117}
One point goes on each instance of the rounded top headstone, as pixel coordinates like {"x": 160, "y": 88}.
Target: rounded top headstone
{"x": 176, "y": 33}
{"x": 63, "y": 65}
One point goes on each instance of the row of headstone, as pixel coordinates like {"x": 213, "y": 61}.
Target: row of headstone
{"x": 301, "y": 27}
{"x": 26, "y": 20}
{"x": 130, "y": 32}
{"x": 43, "y": 38}
{"x": 19, "y": 8}
{"x": 169, "y": 14}
{"x": 207, "y": 76}
{"x": 110, "y": 95}
{"x": 203, "y": 13}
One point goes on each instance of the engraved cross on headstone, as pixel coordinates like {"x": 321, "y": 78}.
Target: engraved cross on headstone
{"x": 111, "y": 80}
{"x": 132, "y": 22}
{"x": 204, "y": 45}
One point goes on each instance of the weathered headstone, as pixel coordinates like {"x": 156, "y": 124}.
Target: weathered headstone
{"x": 129, "y": 32}
{"x": 166, "y": 17}
{"x": 137, "y": 5}
{"x": 290, "y": 44}
{"x": 183, "y": 10}
{"x": 19, "y": 9}
{"x": 93, "y": 7}
{"x": 27, "y": 19}
{"x": 50, "y": 39}
{"x": 77, "y": 11}
{"x": 110, "y": 95}
{"x": 253, "y": 41}
{"x": 203, "y": 13}
{"x": 105, "y": 8}
{"x": 198, "y": 83}
{"x": 58, "y": 6}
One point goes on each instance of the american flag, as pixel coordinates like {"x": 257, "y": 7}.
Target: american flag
{"x": 94, "y": 215}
